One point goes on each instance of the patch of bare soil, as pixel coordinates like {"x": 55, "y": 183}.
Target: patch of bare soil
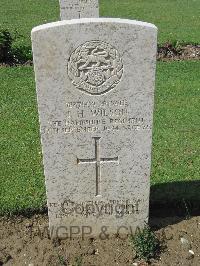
{"x": 25, "y": 242}
{"x": 11, "y": 64}
{"x": 168, "y": 52}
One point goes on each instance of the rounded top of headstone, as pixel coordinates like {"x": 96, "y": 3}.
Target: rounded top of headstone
{"x": 93, "y": 20}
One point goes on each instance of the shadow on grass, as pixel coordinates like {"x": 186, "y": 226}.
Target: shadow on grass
{"x": 27, "y": 213}
{"x": 174, "y": 202}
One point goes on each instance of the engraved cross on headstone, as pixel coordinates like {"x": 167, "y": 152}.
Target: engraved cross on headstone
{"x": 98, "y": 160}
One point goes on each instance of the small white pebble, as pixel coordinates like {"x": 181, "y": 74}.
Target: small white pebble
{"x": 96, "y": 252}
{"x": 191, "y": 252}
{"x": 184, "y": 241}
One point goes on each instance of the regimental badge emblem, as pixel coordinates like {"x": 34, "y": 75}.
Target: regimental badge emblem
{"x": 95, "y": 67}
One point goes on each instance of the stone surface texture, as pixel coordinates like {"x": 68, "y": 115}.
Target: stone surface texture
{"x": 95, "y": 90}
{"x": 79, "y": 9}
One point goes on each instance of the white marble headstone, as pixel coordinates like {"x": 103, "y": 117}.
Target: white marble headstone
{"x": 72, "y": 9}
{"x": 95, "y": 89}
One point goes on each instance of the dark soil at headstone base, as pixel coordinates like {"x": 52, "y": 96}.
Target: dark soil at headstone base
{"x": 24, "y": 241}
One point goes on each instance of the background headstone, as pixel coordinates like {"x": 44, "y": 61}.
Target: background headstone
{"x": 95, "y": 89}
{"x": 72, "y": 9}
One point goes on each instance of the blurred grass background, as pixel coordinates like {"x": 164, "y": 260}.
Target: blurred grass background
{"x": 177, "y": 20}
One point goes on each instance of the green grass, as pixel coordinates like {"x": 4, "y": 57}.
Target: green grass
{"x": 176, "y": 153}
{"x": 176, "y": 146}
{"x": 23, "y": 15}
{"x": 21, "y": 175}
{"x": 177, "y": 20}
